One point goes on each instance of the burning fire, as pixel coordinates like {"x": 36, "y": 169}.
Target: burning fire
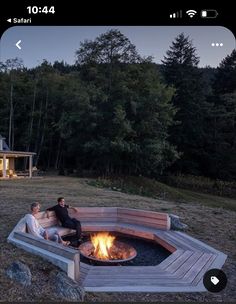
{"x": 105, "y": 248}
{"x": 102, "y": 243}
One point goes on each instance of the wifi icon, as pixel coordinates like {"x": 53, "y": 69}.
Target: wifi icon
{"x": 191, "y": 13}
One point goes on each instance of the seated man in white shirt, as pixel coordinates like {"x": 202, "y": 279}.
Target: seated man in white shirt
{"x": 37, "y": 230}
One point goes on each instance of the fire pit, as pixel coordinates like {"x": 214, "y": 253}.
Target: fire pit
{"x": 103, "y": 248}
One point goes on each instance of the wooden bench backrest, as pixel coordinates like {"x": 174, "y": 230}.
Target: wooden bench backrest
{"x": 84, "y": 214}
{"x": 95, "y": 214}
{"x": 47, "y": 222}
{"x": 110, "y": 214}
{"x": 143, "y": 217}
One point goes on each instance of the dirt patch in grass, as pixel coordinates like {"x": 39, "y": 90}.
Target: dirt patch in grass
{"x": 211, "y": 224}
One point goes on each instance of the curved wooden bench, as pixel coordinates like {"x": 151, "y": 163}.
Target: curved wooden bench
{"x": 100, "y": 218}
{"x": 66, "y": 258}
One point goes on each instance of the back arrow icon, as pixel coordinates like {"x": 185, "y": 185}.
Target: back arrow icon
{"x": 18, "y": 44}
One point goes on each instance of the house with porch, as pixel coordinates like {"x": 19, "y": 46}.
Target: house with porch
{"x": 8, "y": 158}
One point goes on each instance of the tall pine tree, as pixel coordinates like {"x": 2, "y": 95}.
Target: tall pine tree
{"x": 188, "y": 134}
{"x": 222, "y": 134}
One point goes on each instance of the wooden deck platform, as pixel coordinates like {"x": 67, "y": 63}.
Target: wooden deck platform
{"x": 182, "y": 271}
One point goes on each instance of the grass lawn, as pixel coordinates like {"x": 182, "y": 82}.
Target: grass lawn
{"x": 209, "y": 218}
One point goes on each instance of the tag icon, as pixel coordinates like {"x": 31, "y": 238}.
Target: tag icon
{"x": 214, "y": 280}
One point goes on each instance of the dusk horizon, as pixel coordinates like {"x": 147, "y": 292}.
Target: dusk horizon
{"x": 60, "y": 43}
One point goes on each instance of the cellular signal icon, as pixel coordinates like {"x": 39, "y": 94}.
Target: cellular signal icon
{"x": 176, "y": 15}
{"x": 191, "y": 13}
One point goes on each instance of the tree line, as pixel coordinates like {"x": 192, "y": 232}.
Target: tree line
{"x": 116, "y": 112}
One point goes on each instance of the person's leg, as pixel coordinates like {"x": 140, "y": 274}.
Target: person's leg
{"x": 77, "y": 227}
{"x": 54, "y": 238}
{"x": 73, "y": 224}
{"x": 51, "y": 232}
{"x": 53, "y": 235}
{"x": 69, "y": 224}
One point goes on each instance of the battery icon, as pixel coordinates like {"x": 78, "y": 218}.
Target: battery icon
{"x": 209, "y": 13}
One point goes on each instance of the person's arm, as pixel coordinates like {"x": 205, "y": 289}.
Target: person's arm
{"x": 50, "y": 209}
{"x": 47, "y": 211}
{"x": 70, "y": 207}
{"x": 33, "y": 229}
{"x": 45, "y": 234}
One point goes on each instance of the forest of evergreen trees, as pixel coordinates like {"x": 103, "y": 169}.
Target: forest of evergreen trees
{"x": 115, "y": 112}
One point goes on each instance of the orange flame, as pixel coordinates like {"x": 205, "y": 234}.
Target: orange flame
{"x": 102, "y": 242}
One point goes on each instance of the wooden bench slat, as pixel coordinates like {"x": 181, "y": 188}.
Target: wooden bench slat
{"x": 142, "y": 213}
{"x": 181, "y": 237}
{"x": 145, "y": 222}
{"x": 206, "y": 267}
{"x": 197, "y": 267}
{"x": 43, "y": 215}
{"x": 171, "y": 258}
{"x": 132, "y": 282}
{"x": 152, "y": 271}
{"x": 126, "y": 270}
{"x": 97, "y": 210}
{"x": 138, "y": 231}
{"x": 145, "y": 219}
{"x": 92, "y": 213}
{"x": 179, "y": 261}
{"x": 161, "y": 237}
{"x": 85, "y": 266}
{"x": 48, "y": 223}
{"x": 177, "y": 241}
{"x": 190, "y": 262}
{"x": 134, "y": 277}
{"x": 164, "y": 243}
{"x": 95, "y": 219}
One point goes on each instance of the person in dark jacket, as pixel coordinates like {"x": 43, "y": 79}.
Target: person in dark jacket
{"x": 61, "y": 210}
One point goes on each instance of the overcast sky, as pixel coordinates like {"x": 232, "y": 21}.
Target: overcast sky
{"x": 60, "y": 42}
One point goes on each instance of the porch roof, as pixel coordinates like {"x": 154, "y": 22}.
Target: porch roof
{"x": 16, "y": 153}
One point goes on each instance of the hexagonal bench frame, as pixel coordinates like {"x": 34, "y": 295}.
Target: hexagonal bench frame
{"x": 182, "y": 271}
